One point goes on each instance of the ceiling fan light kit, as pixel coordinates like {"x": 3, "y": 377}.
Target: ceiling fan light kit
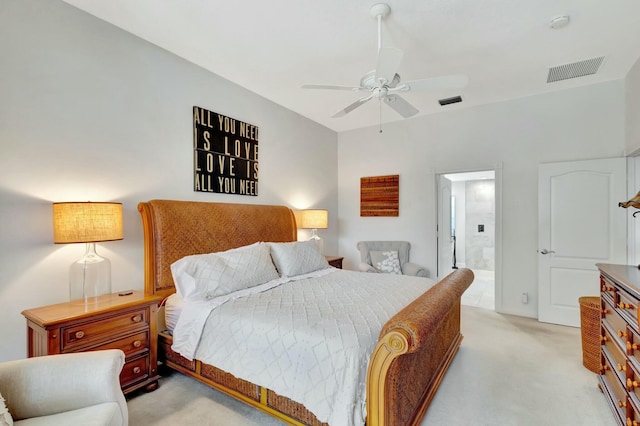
{"x": 384, "y": 83}
{"x": 559, "y": 22}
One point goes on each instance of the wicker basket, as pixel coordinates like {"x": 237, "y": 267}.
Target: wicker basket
{"x": 590, "y": 330}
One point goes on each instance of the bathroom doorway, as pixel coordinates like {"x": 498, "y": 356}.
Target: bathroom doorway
{"x": 473, "y": 234}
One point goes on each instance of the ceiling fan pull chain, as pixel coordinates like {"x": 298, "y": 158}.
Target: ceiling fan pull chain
{"x": 380, "y": 103}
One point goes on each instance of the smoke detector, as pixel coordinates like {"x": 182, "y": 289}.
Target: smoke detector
{"x": 559, "y": 22}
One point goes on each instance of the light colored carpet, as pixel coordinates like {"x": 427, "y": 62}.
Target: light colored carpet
{"x": 509, "y": 371}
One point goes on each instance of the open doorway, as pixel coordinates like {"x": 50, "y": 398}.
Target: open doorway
{"x": 473, "y": 233}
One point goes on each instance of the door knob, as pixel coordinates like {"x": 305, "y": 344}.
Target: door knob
{"x": 545, "y": 251}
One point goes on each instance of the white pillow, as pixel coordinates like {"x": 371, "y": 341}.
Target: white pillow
{"x": 386, "y": 261}
{"x": 205, "y": 276}
{"x": 297, "y": 258}
{"x": 5, "y": 415}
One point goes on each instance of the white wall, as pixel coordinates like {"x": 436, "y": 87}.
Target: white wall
{"x": 89, "y": 112}
{"x": 516, "y": 136}
{"x": 632, "y": 102}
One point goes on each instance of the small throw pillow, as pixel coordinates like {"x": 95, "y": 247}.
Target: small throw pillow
{"x": 297, "y": 258}
{"x": 5, "y": 416}
{"x": 206, "y": 276}
{"x": 386, "y": 261}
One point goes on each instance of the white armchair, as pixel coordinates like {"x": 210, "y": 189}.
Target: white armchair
{"x": 369, "y": 248}
{"x": 70, "y": 389}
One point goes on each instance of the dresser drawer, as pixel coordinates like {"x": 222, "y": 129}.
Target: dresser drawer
{"x": 615, "y": 323}
{"x": 91, "y": 332}
{"x": 134, "y": 371}
{"x": 607, "y": 289}
{"x": 615, "y": 354}
{"x": 633, "y": 383}
{"x": 633, "y": 349}
{"x": 628, "y": 306}
{"x": 633, "y": 412}
{"x": 131, "y": 345}
{"x": 617, "y": 393}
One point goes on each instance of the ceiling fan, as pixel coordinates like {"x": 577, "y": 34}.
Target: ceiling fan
{"x": 384, "y": 84}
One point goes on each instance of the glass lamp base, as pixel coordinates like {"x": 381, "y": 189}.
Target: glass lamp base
{"x": 90, "y": 276}
{"x": 319, "y": 241}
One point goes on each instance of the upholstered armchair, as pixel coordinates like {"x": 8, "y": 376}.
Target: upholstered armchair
{"x": 70, "y": 389}
{"x": 388, "y": 256}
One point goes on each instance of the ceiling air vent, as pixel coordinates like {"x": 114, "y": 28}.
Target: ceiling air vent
{"x": 449, "y": 101}
{"x": 574, "y": 70}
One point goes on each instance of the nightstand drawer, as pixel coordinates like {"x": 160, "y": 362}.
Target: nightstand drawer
{"x": 134, "y": 371}
{"x": 84, "y": 334}
{"x": 130, "y": 345}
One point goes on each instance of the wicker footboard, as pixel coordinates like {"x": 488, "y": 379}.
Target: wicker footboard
{"x": 263, "y": 399}
{"x": 413, "y": 353}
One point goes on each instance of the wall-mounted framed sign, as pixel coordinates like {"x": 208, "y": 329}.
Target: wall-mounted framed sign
{"x": 225, "y": 154}
{"x": 380, "y": 195}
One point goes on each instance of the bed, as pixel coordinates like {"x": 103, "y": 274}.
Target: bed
{"x": 414, "y": 348}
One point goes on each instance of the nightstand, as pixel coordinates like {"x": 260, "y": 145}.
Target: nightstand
{"x": 127, "y": 322}
{"x": 335, "y": 261}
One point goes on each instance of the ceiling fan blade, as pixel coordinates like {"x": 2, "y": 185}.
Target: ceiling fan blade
{"x": 330, "y": 87}
{"x": 446, "y": 82}
{"x": 351, "y": 107}
{"x": 389, "y": 59}
{"x": 401, "y": 106}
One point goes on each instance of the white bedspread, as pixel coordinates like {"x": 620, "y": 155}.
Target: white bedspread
{"x": 308, "y": 338}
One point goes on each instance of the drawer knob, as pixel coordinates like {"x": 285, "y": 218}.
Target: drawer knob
{"x": 625, "y": 306}
{"x": 631, "y": 384}
{"x": 137, "y": 344}
{"x": 79, "y": 334}
{"x": 136, "y": 370}
{"x": 622, "y": 367}
{"x": 605, "y": 367}
{"x": 606, "y": 311}
{"x": 632, "y": 346}
{"x": 622, "y": 333}
{"x": 604, "y": 339}
{"x": 622, "y": 404}
{"x": 136, "y": 318}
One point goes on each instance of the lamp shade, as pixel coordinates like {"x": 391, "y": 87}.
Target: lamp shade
{"x": 314, "y": 219}
{"x": 86, "y": 222}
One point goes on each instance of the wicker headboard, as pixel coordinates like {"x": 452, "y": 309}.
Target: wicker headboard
{"x": 174, "y": 229}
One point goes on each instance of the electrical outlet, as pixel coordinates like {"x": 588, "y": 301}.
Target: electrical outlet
{"x": 525, "y": 298}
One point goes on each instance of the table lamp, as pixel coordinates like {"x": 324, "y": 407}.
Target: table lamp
{"x": 87, "y": 222}
{"x": 314, "y": 220}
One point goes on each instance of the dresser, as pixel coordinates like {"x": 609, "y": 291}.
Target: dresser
{"x": 127, "y": 322}
{"x": 620, "y": 338}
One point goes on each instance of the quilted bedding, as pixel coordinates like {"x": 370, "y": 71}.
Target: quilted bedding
{"x": 308, "y": 338}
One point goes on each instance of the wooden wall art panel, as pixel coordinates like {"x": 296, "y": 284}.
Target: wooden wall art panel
{"x": 380, "y": 195}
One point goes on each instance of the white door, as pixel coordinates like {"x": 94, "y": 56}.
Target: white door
{"x": 579, "y": 225}
{"x": 445, "y": 244}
